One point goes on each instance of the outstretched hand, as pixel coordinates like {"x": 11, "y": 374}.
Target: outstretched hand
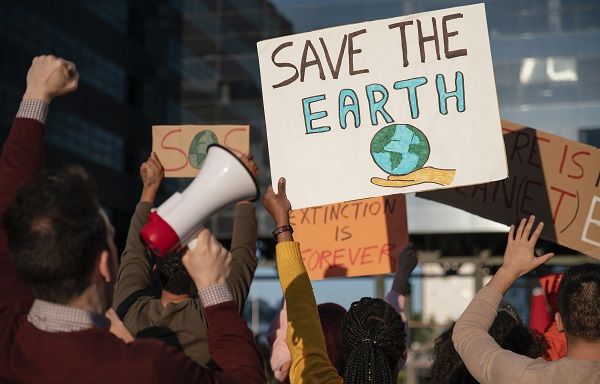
{"x": 519, "y": 256}
{"x": 277, "y": 204}
{"x": 152, "y": 174}
{"x": 50, "y": 76}
{"x": 208, "y": 263}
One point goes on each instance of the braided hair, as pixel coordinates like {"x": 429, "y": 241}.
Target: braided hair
{"x": 373, "y": 340}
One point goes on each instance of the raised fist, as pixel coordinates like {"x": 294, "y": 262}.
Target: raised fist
{"x": 49, "y": 77}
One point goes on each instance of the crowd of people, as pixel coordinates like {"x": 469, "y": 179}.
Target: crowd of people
{"x": 73, "y": 311}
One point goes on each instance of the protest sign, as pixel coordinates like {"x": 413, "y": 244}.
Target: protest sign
{"x": 355, "y": 238}
{"x": 182, "y": 148}
{"x": 384, "y": 107}
{"x": 556, "y": 179}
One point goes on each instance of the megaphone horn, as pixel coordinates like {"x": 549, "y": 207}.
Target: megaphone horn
{"x": 223, "y": 180}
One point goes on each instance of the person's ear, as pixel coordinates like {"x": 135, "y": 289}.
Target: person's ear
{"x": 104, "y": 266}
{"x": 559, "y": 323}
{"x": 404, "y": 354}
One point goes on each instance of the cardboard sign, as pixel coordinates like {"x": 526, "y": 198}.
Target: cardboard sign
{"x": 384, "y": 107}
{"x": 182, "y": 148}
{"x": 355, "y": 238}
{"x": 556, "y": 179}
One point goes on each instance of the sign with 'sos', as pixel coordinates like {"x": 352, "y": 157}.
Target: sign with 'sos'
{"x": 182, "y": 149}
{"x": 384, "y": 107}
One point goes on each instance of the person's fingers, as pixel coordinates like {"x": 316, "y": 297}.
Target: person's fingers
{"x": 511, "y": 233}
{"x": 281, "y": 187}
{"x": 155, "y": 157}
{"x": 536, "y": 234}
{"x": 269, "y": 191}
{"x": 543, "y": 259}
{"x": 520, "y": 229}
{"x": 69, "y": 66}
{"x": 154, "y": 164}
{"x": 74, "y": 82}
{"x": 203, "y": 237}
{"x": 528, "y": 227}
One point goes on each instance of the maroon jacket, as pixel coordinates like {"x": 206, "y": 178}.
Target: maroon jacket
{"x": 29, "y": 355}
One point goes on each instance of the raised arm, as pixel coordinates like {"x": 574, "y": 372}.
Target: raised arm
{"x": 310, "y": 363}
{"x": 396, "y": 297}
{"x": 243, "y": 245}
{"x": 230, "y": 341}
{"x": 484, "y": 358}
{"x": 134, "y": 276}
{"x": 23, "y": 152}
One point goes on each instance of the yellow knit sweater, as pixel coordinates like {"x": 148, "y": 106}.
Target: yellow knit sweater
{"x": 305, "y": 339}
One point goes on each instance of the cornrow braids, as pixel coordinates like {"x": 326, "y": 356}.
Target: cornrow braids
{"x": 373, "y": 340}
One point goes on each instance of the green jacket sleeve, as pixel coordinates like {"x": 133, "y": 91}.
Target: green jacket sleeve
{"x": 243, "y": 252}
{"x": 135, "y": 270}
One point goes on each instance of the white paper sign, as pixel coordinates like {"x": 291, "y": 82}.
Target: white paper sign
{"x": 391, "y": 106}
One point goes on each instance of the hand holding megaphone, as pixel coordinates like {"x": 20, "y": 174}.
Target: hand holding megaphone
{"x": 224, "y": 179}
{"x": 209, "y": 262}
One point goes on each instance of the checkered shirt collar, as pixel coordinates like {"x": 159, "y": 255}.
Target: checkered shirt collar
{"x": 52, "y": 317}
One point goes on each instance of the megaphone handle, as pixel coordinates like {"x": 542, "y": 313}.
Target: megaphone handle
{"x": 192, "y": 243}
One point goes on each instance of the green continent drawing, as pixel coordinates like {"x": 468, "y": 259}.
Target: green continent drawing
{"x": 399, "y": 149}
{"x": 199, "y": 147}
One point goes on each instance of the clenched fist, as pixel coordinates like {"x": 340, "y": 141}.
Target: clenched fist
{"x": 49, "y": 77}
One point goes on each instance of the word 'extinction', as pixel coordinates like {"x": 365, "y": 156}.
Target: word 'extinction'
{"x": 348, "y": 47}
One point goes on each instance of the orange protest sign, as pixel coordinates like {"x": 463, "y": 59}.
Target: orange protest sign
{"x": 182, "y": 148}
{"x": 556, "y": 179}
{"x": 355, "y": 238}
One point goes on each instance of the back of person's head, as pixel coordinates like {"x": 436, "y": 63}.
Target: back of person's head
{"x": 172, "y": 275}
{"x": 507, "y": 330}
{"x": 56, "y": 232}
{"x": 332, "y": 317}
{"x": 579, "y": 303}
{"x": 373, "y": 341}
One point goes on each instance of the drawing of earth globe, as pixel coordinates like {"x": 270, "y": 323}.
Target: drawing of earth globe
{"x": 199, "y": 147}
{"x": 399, "y": 149}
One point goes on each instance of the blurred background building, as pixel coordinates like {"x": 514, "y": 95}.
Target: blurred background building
{"x": 145, "y": 62}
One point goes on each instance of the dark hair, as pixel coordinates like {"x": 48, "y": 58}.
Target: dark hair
{"x": 373, "y": 341}
{"x": 579, "y": 302}
{"x": 172, "y": 275}
{"x": 55, "y": 233}
{"x": 332, "y": 317}
{"x": 507, "y": 331}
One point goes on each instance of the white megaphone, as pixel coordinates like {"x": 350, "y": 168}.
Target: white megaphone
{"x": 223, "y": 180}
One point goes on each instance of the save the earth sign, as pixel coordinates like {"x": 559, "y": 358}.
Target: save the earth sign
{"x": 392, "y": 106}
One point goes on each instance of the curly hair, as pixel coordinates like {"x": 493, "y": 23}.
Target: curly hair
{"x": 507, "y": 331}
{"x": 173, "y": 276}
{"x": 373, "y": 340}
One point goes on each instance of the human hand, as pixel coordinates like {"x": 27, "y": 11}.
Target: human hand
{"x": 50, "y": 76}
{"x": 208, "y": 263}
{"x": 152, "y": 173}
{"x": 277, "y": 204}
{"x": 248, "y": 161}
{"x": 406, "y": 264}
{"x": 519, "y": 256}
{"x": 117, "y": 327}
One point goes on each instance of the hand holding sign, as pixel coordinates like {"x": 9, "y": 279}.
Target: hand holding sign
{"x": 277, "y": 204}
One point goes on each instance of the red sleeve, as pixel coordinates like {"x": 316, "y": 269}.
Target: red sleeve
{"x": 231, "y": 344}
{"x": 21, "y": 159}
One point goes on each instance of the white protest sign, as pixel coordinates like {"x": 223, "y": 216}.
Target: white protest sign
{"x": 392, "y": 106}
